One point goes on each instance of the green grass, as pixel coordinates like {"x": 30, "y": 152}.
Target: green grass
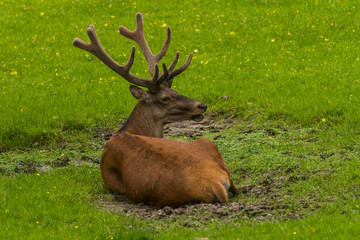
{"x": 52, "y": 206}
{"x": 290, "y": 71}
{"x": 283, "y": 61}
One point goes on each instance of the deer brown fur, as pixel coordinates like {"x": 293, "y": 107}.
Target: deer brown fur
{"x": 137, "y": 161}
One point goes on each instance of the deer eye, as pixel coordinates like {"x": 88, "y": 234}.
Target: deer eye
{"x": 166, "y": 99}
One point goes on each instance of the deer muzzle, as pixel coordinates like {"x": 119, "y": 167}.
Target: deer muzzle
{"x": 199, "y": 117}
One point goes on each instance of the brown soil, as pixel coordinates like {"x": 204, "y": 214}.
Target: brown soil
{"x": 194, "y": 129}
{"x": 200, "y": 213}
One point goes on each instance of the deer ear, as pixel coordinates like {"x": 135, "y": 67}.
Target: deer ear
{"x": 138, "y": 93}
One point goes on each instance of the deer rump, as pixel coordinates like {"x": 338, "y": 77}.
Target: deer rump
{"x": 163, "y": 172}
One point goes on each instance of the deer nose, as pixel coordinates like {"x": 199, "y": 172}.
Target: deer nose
{"x": 202, "y": 107}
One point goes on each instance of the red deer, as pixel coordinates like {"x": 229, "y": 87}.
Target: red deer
{"x": 137, "y": 161}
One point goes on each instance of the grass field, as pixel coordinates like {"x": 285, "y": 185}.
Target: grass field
{"x": 288, "y": 61}
{"x": 290, "y": 73}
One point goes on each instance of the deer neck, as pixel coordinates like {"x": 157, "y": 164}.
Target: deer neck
{"x": 142, "y": 122}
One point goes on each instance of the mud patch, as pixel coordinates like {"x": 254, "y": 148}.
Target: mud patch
{"x": 59, "y": 162}
{"x": 103, "y": 134}
{"x": 202, "y": 214}
{"x": 198, "y": 129}
{"x": 26, "y": 167}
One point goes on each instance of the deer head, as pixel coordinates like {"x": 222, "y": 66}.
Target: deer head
{"x": 159, "y": 104}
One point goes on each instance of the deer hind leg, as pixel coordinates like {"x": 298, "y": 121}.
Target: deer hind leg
{"x": 113, "y": 180}
{"x": 110, "y": 172}
{"x": 110, "y": 175}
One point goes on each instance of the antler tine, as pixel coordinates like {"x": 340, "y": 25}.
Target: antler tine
{"x": 178, "y": 70}
{"x": 157, "y": 81}
{"x": 175, "y": 61}
{"x": 95, "y": 48}
{"x": 165, "y": 46}
{"x": 139, "y": 37}
{"x": 164, "y": 76}
{"x": 155, "y": 78}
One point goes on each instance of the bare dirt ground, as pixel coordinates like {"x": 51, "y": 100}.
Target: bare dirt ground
{"x": 269, "y": 205}
{"x": 194, "y": 129}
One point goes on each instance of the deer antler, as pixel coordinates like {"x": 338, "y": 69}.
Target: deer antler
{"x": 138, "y": 36}
{"x": 95, "y": 48}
